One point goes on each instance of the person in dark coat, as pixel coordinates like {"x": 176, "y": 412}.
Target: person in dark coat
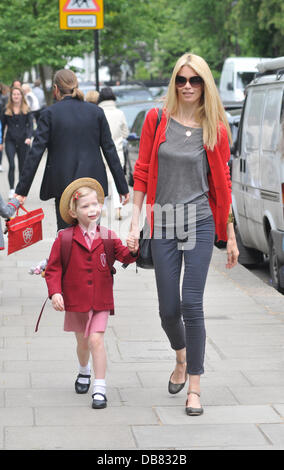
{"x": 72, "y": 131}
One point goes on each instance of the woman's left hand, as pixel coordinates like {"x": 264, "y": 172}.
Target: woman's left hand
{"x": 232, "y": 253}
{"x": 28, "y": 141}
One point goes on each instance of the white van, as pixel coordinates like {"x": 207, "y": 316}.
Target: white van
{"x": 258, "y": 172}
{"x": 237, "y": 73}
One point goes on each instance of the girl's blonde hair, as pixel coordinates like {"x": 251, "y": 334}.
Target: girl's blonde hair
{"x": 67, "y": 84}
{"x": 210, "y": 111}
{"x": 76, "y": 195}
{"x": 24, "y": 105}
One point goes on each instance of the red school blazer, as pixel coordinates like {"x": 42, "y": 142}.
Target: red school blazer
{"x": 87, "y": 282}
{"x": 146, "y": 171}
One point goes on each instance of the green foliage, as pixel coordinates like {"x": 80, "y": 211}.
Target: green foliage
{"x": 145, "y": 35}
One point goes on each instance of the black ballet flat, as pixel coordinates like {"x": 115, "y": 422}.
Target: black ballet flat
{"x": 97, "y": 404}
{"x": 176, "y": 388}
{"x": 82, "y": 388}
{"x": 193, "y": 411}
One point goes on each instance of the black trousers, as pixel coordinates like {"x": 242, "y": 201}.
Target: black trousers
{"x": 12, "y": 148}
{"x": 60, "y": 222}
{"x": 182, "y": 317}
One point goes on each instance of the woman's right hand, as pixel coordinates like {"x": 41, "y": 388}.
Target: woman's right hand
{"x": 57, "y": 302}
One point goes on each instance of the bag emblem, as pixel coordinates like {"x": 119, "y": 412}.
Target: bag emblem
{"x": 28, "y": 235}
{"x": 103, "y": 259}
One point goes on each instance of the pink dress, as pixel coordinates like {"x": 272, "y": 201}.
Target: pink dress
{"x": 86, "y": 322}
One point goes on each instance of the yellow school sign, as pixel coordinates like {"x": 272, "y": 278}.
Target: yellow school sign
{"x": 81, "y": 14}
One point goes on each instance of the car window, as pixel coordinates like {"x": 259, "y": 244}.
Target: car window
{"x": 133, "y": 95}
{"x": 252, "y": 121}
{"x": 138, "y": 123}
{"x": 271, "y": 119}
{"x": 244, "y": 78}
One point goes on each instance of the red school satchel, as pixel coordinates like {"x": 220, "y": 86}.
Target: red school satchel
{"x": 24, "y": 230}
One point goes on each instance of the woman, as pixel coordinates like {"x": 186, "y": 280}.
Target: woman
{"x": 73, "y": 132}
{"x": 18, "y": 120}
{"x": 182, "y": 166}
{"x": 119, "y": 131}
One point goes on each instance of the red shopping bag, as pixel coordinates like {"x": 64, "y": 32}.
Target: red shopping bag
{"x": 24, "y": 230}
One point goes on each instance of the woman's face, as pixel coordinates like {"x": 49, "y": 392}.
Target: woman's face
{"x": 189, "y": 94}
{"x": 16, "y": 97}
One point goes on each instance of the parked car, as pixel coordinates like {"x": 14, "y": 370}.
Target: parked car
{"x": 237, "y": 73}
{"x": 123, "y": 93}
{"x": 233, "y": 113}
{"x": 258, "y": 172}
{"x": 131, "y": 147}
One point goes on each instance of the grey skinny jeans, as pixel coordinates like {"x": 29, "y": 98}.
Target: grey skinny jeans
{"x": 183, "y": 318}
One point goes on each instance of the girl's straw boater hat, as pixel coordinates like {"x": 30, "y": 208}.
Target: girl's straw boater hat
{"x": 64, "y": 204}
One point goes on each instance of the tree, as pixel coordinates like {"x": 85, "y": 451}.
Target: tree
{"x": 37, "y": 39}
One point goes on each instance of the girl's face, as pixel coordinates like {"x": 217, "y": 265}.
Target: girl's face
{"x": 189, "y": 94}
{"x": 16, "y": 97}
{"x": 88, "y": 210}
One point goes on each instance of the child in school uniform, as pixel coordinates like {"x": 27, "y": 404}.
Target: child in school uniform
{"x": 84, "y": 289}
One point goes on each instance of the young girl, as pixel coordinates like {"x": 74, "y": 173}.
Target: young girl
{"x": 19, "y": 123}
{"x": 85, "y": 287}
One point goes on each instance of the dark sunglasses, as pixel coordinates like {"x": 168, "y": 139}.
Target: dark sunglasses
{"x": 195, "y": 81}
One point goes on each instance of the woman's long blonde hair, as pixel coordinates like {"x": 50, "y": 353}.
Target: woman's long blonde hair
{"x": 210, "y": 111}
{"x": 24, "y": 105}
{"x": 67, "y": 84}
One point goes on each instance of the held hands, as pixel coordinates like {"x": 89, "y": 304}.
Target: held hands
{"x": 133, "y": 239}
{"x": 28, "y": 141}
{"x": 57, "y": 302}
{"x": 21, "y": 199}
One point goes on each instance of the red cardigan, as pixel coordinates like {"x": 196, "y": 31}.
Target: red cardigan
{"x": 146, "y": 170}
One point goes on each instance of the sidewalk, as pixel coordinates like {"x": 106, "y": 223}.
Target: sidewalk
{"x": 242, "y": 388}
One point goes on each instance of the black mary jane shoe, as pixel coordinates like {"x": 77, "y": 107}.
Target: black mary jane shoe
{"x": 97, "y": 404}
{"x": 176, "y": 388}
{"x": 82, "y": 388}
{"x": 193, "y": 411}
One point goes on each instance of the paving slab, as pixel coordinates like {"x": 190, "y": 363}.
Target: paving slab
{"x": 189, "y": 436}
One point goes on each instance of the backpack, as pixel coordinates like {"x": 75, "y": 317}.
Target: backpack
{"x": 65, "y": 248}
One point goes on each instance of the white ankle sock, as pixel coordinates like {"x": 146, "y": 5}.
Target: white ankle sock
{"x": 84, "y": 370}
{"x": 99, "y": 387}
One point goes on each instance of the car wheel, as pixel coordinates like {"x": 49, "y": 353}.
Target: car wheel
{"x": 274, "y": 266}
{"x": 248, "y": 257}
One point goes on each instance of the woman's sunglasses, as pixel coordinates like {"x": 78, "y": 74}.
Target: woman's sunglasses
{"x": 194, "y": 81}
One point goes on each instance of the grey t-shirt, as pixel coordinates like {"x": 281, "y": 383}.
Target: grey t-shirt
{"x": 182, "y": 177}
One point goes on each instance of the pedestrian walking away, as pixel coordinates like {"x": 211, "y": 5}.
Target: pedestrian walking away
{"x": 119, "y": 131}
{"x": 182, "y": 167}
{"x": 82, "y": 284}
{"x": 72, "y": 131}
{"x": 19, "y": 123}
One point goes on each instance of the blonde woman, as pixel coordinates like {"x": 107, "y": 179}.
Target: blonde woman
{"x": 182, "y": 168}
{"x": 19, "y": 123}
{"x": 73, "y": 132}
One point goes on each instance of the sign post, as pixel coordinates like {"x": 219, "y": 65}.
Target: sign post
{"x": 83, "y": 14}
